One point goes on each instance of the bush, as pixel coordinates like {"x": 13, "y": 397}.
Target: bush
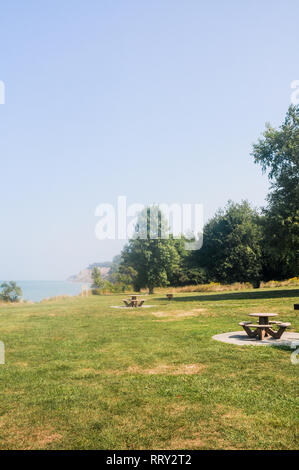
{"x": 96, "y": 291}
{"x": 111, "y": 288}
{"x": 294, "y": 281}
{"x": 10, "y": 292}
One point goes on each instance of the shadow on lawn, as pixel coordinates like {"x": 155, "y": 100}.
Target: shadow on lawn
{"x": 259, "y": 294}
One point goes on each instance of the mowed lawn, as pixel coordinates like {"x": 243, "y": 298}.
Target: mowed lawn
{"x": 82, "y": 375}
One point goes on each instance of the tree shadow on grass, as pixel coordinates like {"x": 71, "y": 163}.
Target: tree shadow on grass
{"x": 259, "y": 294}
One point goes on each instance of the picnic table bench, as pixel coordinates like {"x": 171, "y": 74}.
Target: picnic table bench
{"x": 264, "y": 327}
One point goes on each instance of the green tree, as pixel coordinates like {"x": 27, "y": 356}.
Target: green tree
{"x": 114, "y": 267}
{"x": 231, "y": 249}
{"x": 10, "y": 292}
{"x": 188, "y": 272}
{"x": 277, "y": 151}
{"x": 152, "y": 257}
{"x": 124, "y": 277}
{"x": 97, "y": 278}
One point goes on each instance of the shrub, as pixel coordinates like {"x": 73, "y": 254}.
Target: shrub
{"x": 10, "y": 292}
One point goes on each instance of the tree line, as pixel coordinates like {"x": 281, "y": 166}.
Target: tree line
{"x": 241, "y": 243}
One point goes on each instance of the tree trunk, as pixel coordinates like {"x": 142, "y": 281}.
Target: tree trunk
{"x": 151, "y": 290}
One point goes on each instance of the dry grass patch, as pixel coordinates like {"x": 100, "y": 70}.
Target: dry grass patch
{"x": 37, "y": 438}
{"x": 180, "y": 314}
{"x": 195, "y": 442}
{"x": 224, "y": 417}
{"x": 177, "y": 409}
{"x": 204, "y": 439}
{"x": 166, "y": 369}
{"x": 161, "y": 369}
{"x": 44, "y": 437}
{"x": 229, "y": 413}
{"x": 21, "y": 364}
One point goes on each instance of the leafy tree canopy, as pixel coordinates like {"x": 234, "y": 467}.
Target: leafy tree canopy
{"x": 152, "y": 257}
{"x": 97, "y": 278}
{"x": 231, "y": 249}
{"x": 278, "y": 152}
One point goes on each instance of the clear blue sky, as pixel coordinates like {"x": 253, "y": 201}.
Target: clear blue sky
{"x": 158, "y": 100}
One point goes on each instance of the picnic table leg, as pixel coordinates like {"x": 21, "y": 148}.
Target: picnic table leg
{"x": 261, "y": 333}
{"x": 251, "y": 333}
{"x": 264, "y": 321}
{"x": 276, "y": 334}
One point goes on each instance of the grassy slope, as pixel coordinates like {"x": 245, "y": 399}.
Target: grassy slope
{"x": 80, "y": 374}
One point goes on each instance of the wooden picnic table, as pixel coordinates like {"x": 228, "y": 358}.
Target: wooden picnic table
{"x": 263, "y": 317}
{"x": 264, "y": 327}
{"x": 133, "y": 301}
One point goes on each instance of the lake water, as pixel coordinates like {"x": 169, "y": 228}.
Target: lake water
{"x": 39, "y": 290}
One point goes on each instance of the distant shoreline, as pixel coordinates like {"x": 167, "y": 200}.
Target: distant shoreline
{"x": 36, "y": 291}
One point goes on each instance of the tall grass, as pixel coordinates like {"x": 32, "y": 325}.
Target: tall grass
{"x": 218, "y": 287}
{"x": 210, "y": 287}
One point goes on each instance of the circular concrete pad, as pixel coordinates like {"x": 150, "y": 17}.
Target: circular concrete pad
{"x": 240, "y": 338}
{"x": 132, "y": 308}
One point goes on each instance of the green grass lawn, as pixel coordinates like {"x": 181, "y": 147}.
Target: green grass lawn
{"x": 82, "y": 375}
